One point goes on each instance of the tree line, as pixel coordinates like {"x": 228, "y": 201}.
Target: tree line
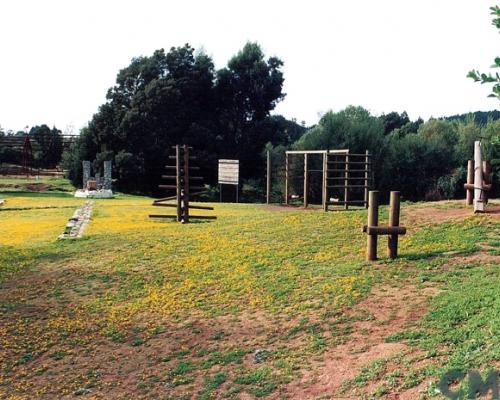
{"x": 179, "y": 97}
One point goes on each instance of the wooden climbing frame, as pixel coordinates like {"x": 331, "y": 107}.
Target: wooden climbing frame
{"x": 182, "y": 187}
{"x": 348, "y": 176}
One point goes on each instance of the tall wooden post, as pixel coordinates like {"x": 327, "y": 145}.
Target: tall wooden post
{"x": 470, "y": 181}
{"x": 178, "y": 182}
{"x": 394, "y": 209}
{"x": 324, "y": 176}
{"x": 371, "y": 243}
{"x": 346, "y": 182}
{"x": 306, "y": 181}
{"x": 186, "y": 185}
{"x": 486, "y": 180}
{"x": 367, "y": 177}
{"x": 478, "y": 178}
{"x": 286, "y": 178}
{"x": 268, "y": 178}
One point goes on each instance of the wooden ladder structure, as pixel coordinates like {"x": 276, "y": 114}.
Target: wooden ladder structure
{"x": 347, "y": 175}
{"x": 182, "y": 187}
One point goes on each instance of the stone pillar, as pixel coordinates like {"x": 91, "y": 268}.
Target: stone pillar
{"x": 107, "y": 180}
{"x": 98, "y": 180}
{"x": 86, "y": 173}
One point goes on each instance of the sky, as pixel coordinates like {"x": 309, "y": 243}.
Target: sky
{"x": 58, "y": 58}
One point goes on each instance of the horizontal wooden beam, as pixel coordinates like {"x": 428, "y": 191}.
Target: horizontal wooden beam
{"x": 162, "y": 216}
{"x": 165, "y": 199}
{"x": 384, "y": 230}
{"x": 167, "y": 186}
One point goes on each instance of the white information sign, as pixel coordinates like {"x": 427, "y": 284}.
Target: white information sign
{"x": 229, "y": 172}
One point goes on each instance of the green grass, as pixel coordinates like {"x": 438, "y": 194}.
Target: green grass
{"x": 188, "y": 305}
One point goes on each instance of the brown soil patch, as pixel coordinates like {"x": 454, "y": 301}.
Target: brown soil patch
{"x": 431, "y": 214}
{"x": 393, "y": 309}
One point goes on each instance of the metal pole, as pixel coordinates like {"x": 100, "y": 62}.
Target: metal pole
{"x": 286, "y": 178}
{"x": 306, "y": 181}
{"x": 268, "y": 178}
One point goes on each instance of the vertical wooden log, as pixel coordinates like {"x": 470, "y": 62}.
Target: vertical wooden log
{"x": 367, "y": 177}
{"x": 306, "y": 181}
{"x": 371, "y": 243}
{"x": 346, "y": 182}
{"x": 186, "y": 185}
{"x": 286, "y": 178}
{"x": 324, "y": 176}
{"x": 394, "y": 210}
{"x": 178, "y": 182}
{"x": 486, "y": 179}
{"x": 470, "y": 180}
{"x": 268, "y": 178}
{"x": 478, "y": 178}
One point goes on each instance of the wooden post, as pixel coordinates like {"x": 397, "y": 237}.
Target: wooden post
{"x": 268, "y": 178}
{"x": 346, "y": 182}
{"x": 324, "y": 192}
{"x": 470, "y": 181}
{"x": 178, "y": 182}
{"x": 306, "y": 181}
{"x": 371, "y": 244}
{"x": 367, "y": 177}
{"x": 286, "y": 178}
{"x": 478, "y": 178}
{"x": 486, "y": 179}
{"x": 392, "y": 243}
{"x": 186, "y": 185}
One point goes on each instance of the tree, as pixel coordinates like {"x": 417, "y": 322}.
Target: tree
{"x": 394, "y": 120}
{"x": 247, "y": 90}
{"x": 177, "y": 97}
{"x": 489, "y": 78}
{"x": 49, "y": 150}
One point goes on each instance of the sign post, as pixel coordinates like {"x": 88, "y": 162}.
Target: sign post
{"x": 229, "y": 174}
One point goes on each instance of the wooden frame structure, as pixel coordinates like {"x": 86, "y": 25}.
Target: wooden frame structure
{"x": 373, "y": 230}
{"x": 478, "y": 180}
{"x": 182, "y": 187}
{"x": 342, "y": 173}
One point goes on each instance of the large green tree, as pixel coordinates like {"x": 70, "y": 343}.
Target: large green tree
{"x": 178, "y": 97}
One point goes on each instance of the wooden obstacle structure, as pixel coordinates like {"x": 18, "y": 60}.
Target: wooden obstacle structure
{"x": 478, "y": 180}
{"x": 182, "y": 187}
{"x": 346, "y": 177}
{"x": 373, "y": 230}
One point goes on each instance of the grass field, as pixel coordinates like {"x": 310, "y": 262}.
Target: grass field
{"x": 263, "y": 302}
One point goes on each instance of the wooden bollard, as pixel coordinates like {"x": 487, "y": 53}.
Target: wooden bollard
{"x": 371, "y": 241}
{"x": 394, "y": 208}
{"x": 393, "y": 230}
{"x": 470, "y": 181}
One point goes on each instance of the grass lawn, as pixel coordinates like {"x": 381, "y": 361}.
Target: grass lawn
{"x": 263, "y": 302}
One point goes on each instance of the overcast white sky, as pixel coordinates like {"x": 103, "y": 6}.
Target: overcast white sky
{"x": 58, "y": 58}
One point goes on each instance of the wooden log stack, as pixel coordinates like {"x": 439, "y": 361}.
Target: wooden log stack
{"x": 373, "y": 230}
{"x": 182, "y": 188}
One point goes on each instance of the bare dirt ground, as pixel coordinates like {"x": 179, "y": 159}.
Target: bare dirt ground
{"x": 391, "y": 309}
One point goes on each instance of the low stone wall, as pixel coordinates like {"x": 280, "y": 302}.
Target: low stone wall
{"x": 76, "y": 224}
